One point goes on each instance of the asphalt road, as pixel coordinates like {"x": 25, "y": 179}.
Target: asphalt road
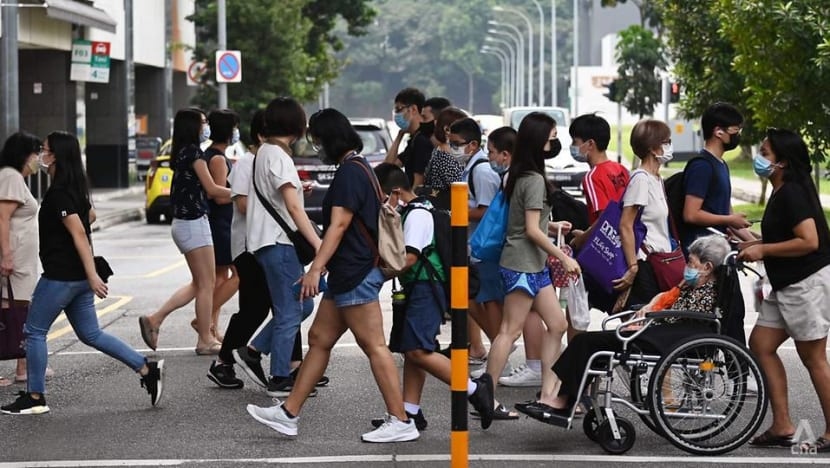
{"x": 102, "y": 417}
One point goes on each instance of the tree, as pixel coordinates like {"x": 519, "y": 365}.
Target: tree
{"x": 641, "y": 60}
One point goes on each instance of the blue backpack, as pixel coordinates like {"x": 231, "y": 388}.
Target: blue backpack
{"x": 487, "y": 241}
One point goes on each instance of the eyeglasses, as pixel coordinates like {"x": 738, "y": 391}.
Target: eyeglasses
{"x": 666, "y": 142}
{"x": 399, "y": 109}
{"x": 44, "y": 151}
{"x": 455, "y": 145}
{"x": 737, "y": 130}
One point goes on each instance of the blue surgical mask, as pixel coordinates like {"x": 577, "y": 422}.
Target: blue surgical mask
{"x": 691, "y": 276}
{"x": 498, "y": 168}
{"x": 400, "y": 121}
{"x": 762, "y": 166}
{"x": 577, "y": 156}
{"x": 235, "y": 137}
{"x": 205, "y": 135}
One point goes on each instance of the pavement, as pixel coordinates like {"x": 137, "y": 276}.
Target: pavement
{"x": 117, "y": 206}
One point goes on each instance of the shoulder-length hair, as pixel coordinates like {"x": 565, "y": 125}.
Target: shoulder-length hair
{"x": 789, "y": 147}
{"x": 528, "y": 157}
{"x": 284, "y": 116}
{"x": 187, "y": 126}
{"x": 335, "y": 134}
{"x": 17, "y": 149}
{"x": 69, "y": 169}
{"x": 222, "y": 123}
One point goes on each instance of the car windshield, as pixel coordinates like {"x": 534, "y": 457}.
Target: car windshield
{"x": 517, "y": 116}
{"x": 372, "y": 143}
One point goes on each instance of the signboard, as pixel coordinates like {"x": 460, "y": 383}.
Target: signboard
{"x": 90, "y": 61}
{"x": 195, "y": 72}
{"x": 228, "y": 66}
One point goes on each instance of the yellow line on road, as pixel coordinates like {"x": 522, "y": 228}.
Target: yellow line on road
{"x": 155, "y": 273}
{"x": 122, "y": 300}
{"x": 98, "y": 300}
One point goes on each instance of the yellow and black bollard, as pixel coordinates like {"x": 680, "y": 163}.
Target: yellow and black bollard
{"x": 459, "y": 219}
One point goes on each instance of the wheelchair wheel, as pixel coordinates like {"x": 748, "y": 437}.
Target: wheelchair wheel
{"x": 605, "y": 436}
{"x": 636, "y": 378}
{"x": 590, "y": 425}
{"x": 698, "y": 395}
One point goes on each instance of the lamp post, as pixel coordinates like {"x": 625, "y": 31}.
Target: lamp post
{"x": 529, "y": 69}
{"x": 575, "y": 81}
{"x": 513, "y": 67}
{"x": 518, "y": 41}
{"x": 504, "y": 80}
{"x": 541, "y": 64}
{"x": 554, "y": 89}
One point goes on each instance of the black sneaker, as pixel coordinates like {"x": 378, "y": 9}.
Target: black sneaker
{"x": 153, "y": 382}
{"x": 279, "y": 387}
{"x": 420, "y": 420}
{"x": 324, "y": 381}
{"x": 25, "y": 404}
{"x": 224, "y": 376}
{"x": 482, "y": 399}
{"x": 251, "y": 362}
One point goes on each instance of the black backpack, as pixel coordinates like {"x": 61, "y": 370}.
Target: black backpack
{"x": 442, "y": 244}
{"x": 676, "y": 197}
{"x": 565, "y": 207}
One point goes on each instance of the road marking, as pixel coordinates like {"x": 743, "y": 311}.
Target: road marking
{"x": 63, "y": 331}
{"x": 155, "y": 273}
{"x": 62, "y": 316}
{"x": 417, "y": 459}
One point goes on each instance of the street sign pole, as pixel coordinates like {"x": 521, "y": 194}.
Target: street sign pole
{"x": 223, "y": 44}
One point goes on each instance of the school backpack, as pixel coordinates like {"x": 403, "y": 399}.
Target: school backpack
{"x": 441, "y": 243}
{"x": 676, "y": 197}
{"x": 565, "y": 207}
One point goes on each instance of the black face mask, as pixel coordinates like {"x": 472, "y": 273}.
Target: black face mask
{"x": 324, "y": 158}
{"x": 555, "y": 148}
{"x": 734, "y": 141}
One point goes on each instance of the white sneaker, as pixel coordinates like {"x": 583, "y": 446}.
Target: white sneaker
{"x": 393, "y": 430}
{"x": 275, "y": 418}
{"x": 508, "y": 369}
{"x": 522, "y": 376}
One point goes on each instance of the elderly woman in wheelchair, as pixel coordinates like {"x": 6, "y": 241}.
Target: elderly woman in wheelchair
{"x": 686, "y": 381}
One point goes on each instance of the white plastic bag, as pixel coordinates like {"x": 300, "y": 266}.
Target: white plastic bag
{"x": 578, "y": 308}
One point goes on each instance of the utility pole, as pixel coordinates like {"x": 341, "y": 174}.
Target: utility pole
{"x": 222, "y": 34}
{"x": 167, "y": 112}
{"x": 9, "y": 80}
{"x": 575, "y": 83}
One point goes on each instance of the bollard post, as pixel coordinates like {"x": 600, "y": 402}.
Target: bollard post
{"x": 459, "y": 219}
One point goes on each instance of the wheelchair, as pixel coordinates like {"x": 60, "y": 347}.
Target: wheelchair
{"x": 697, "y": 395}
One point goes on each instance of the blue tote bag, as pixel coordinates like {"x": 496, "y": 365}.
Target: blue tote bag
{"x": 487, "y": 241}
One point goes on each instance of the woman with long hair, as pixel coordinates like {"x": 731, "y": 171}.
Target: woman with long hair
{"x": 70, "y": 282}
{"x": 348, "y": 252}
{"x": 191, "y": 185}
{"x": 795, "y": 248}
{"x": 523, "y": 263}
{"x": 18, "y": 225}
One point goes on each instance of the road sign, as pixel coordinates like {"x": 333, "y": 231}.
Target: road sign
{"x": 195, "y": 72}
{"x": 90, "y": 61}
{"x": 228, "y": 66}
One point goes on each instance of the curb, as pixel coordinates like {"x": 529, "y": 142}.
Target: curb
{"x": 117, "y": 217}
{"x": 745, "y": 195}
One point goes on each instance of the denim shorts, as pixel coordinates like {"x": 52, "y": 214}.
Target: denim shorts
{"x": 491, "y": 287}
{"x": 367, "y": 291}
{"x": 421, "y": 322}
{"x": 190, "y": 234}
{"x": 531, "y": 283}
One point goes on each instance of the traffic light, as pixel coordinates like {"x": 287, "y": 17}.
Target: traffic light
{"x": 613, "y": 92}
{"x": 674, "y": 91}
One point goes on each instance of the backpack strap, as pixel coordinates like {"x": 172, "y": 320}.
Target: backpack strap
{"x": 425, "y": 264}
{"x": 373, "y": 243}
{"x": 471, "y": 178}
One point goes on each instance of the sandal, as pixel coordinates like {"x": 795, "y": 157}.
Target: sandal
{"x": 500, "y": 413}
{"x": 4, "y": 382}
{"x": 209, "y": 350}
{"x": 821, "y": 445}
{"x": 148, "y": 334}
{"x": 768, "y": 439}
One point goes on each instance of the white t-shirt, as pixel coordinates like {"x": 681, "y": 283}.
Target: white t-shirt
{"x": 273, "y": 169}
{"x": 646, "y": 190}
{"x": 240, "y": 182}
{"x": 418, "y": 229}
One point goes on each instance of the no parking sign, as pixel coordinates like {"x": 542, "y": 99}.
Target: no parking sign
{"x": 228, "y": 66}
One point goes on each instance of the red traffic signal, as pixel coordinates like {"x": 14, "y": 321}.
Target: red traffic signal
{"x": 674, "y": 91}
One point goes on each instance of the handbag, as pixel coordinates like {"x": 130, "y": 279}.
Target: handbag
{"x": 668, "y": 266}
{"x": 305, "y": 251}
{"x": 390, "y": 248}
{"x": 12, "y": 317}
{"x": 102, "y": 268}
{"x": 558, "y": 275}
{"x": 487, "y": 240}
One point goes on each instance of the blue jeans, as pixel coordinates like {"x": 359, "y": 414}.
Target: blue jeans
{"x": 76, "y": 299}
{"x": 282, "y": 269}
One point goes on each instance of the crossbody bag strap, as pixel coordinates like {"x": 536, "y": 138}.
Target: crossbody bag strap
{"x": 373, "y": 244}
{"x": 270, "y": 209}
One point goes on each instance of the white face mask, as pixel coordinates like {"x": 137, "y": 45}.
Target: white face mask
{"x": 668, "y": 154}
{"x": 459, "y": 152}
{"x": 235, "y": 136}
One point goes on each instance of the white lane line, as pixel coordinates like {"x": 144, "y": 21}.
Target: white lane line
{"x": 573, "y": 458}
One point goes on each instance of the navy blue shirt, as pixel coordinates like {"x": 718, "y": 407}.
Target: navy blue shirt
{"x": 217, "y": 211}
{"x": 355, "y": 257}
{"x": 186, "y": 192}
{"x": 707, "y": 177}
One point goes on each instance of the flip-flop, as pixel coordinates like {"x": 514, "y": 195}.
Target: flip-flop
{"x": 148, "y": 334}
{"x": 768, "y": 439}
{"x": 501, "y": 413}
{"x": 821, "y": 445}
{"x": 4, "y": 382}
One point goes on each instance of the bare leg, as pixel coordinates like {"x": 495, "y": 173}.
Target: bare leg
{"x": 764, "y": 342}
{"x": 226, "y": 287}
{"x": 413, "y": 380}
{"x": 517, "y": 305}
{"x": 435, "y": 364}
{"x": 183, "y": 296}
{"x": 533, "y": 332}
{"x": 477, "y": 348}
{"x": 547, "y": 305}
{"x": 202, "y": 267}
{"x": 813, "y": 355}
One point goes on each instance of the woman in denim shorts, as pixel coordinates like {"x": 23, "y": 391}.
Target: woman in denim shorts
{"x": 795, "y": 248}
{"x": 191, "y": 231}
{"x": 523, "y": 261}
{"x": 350, "y": 222}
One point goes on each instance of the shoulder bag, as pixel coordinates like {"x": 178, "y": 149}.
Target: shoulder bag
{"x": 668, "y": 266}
{"x": 12, "y": 317}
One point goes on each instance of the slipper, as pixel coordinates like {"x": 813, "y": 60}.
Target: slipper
{"x": 768, "y": 439}
{"x": 821, "y": 445}
{"x": 149, "y": 335}
{"x": 209, "y": 350}
{"x": 501, "y": 413}
{"x": 23, "y": 378}
{"x": 4, "y": 382}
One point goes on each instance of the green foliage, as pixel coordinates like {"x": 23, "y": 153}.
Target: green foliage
{"x": 641, "y": 59}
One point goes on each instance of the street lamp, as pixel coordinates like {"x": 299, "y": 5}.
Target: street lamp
{"x": 553, "y": 58}
{"x": 504, "y": 80}
{"x": 575, "y": 81}
{"x": 514, "y": 67}
{"x": 529, "y": 42}
{"x": 517, "y": 37}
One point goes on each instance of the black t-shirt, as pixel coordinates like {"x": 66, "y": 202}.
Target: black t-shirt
{"x": 215, "y": 210}
{"x": 417, "y": 153}
{"x": 186, "y": 192}
{"x": 787, "y": 207}
{"x": 58, "y": 254}
{"x": 354, "y": 258}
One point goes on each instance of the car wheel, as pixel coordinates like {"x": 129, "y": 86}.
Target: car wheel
{"x": 152, "y": 217}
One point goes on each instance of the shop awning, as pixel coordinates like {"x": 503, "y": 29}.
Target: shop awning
{"x": 79, "y": 13}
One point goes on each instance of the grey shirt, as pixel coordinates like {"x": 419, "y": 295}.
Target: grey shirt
{"x": 520, "y": 253}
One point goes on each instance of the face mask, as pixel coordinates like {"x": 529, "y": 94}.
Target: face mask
{"x": 668, "y": 154}
{"x": 734, "y": 141}
{"x": 498, "y": 168}
{"x": 577, "y": 156}
{"x": 40, "y": 162}
{"x": 762, "y": 166}
{"x": 205, "y": 135}
{"x": 555, "y": 148}
{"x": 235, "y": 137}
{"x": 691, "y": 276}
{"x": 34, "y": 165}
{"x": 400, "y": 121}
{"x": 459, "y": 153}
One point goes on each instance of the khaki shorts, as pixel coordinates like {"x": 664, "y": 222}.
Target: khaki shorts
{"x": 800, "y": 308}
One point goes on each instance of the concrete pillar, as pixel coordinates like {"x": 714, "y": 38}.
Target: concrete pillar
{"x": 107, "y": 154}
{"x": 9, "y": 104}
